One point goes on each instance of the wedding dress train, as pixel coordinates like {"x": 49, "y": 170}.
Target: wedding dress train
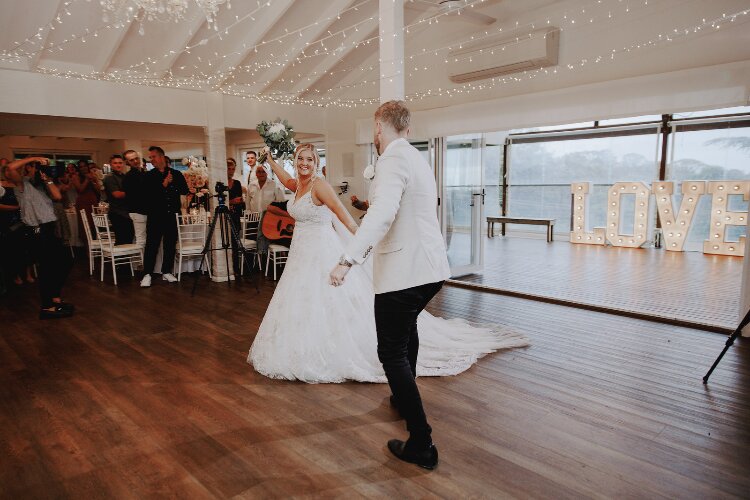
{"x": 315, "y": 332}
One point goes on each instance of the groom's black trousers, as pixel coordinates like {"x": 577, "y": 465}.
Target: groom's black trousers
{"x": 398, "y": 345}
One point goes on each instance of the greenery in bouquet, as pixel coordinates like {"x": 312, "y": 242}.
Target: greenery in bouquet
{"x": 278, "y": 136}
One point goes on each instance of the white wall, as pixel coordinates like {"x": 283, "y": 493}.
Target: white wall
{"x": 687, "y": 90}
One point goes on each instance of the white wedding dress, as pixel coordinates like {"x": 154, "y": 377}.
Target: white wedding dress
{"x": 315, "y": 332}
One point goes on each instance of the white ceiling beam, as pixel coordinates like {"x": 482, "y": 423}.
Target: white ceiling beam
{"x": 268, "y": 19}
{"x": 194, "y": 25}
{"x": 33, "y": 61}
{"x": 296, "y": 48}
{"x": 367, "y": 30}
{"x": 327, "y": 73}
{"x": 110, "y": 46}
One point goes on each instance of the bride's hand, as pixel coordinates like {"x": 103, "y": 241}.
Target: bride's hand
{"x": 265, "y": 154}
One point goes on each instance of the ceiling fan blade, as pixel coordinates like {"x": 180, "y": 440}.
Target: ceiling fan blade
{"x": 475, "y": 17}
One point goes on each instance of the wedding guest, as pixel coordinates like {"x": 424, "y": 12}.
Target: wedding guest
{"x": 87, "y": 186}
{"x": 35, "y": 194}
{"x": 66, "y": 187}
{"x": 359, "y": 204}
{"x": 251, "y": 158}
{"x": 14, "y": 249}
{"x": 118, "y": 207}
{"x": 236, "y": 205}
{"x": 99, "y": 174}
{"x": 134, "y": 185}
{"x": 164, "y": 186}
{"x": 263, "y": 192}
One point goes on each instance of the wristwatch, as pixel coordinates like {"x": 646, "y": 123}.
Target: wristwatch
{"x": 50, "y": 182}
{"x": 344, "y": 262}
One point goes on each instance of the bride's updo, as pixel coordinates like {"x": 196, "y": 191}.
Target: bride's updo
{"x": 311, "y": 147}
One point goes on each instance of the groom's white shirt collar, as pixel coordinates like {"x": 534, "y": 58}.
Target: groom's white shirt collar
{"x": 389, "y": 146}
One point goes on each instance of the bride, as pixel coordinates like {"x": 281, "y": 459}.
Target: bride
{"x": 315, "y": 332}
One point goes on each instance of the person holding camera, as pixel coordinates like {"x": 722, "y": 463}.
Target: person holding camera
{"x": 163, "y": 186}
{"x": 35, "y": 193}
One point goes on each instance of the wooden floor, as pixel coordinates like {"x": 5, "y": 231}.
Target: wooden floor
{"x": 686, "y": 286}
{"x": 145, "y": 393}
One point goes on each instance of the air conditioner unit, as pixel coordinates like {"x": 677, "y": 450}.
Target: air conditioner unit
{"x": 502, "y": 55}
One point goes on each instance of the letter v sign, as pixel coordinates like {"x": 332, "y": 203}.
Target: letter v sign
{"x": 675, "y": 225}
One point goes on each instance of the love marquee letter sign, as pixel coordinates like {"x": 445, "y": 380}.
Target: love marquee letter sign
{"x": 675, "y": 223}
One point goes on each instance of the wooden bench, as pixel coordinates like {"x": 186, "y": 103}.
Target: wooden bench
{"x": 503, "y": 220}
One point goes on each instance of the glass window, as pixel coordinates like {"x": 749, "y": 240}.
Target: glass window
{"x": 540, "y": 175}
{"x": 715, "y": 154}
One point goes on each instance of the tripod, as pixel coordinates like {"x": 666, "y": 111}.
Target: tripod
{"x": 729, "y": 343}
{"x": 229, "y": 234}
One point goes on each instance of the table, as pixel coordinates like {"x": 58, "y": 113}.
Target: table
{"x": 504, "y": 219}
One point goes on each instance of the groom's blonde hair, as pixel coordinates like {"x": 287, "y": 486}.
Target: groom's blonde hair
{"x": 395, "y": 114}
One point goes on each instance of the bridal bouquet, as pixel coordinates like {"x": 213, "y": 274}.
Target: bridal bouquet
{"x": 279, "y": 136}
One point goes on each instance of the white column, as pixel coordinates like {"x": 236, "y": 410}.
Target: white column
{"x": 745, "y": 297}
{"x": 216, "y": 157}
{"x": 391, "y": 50}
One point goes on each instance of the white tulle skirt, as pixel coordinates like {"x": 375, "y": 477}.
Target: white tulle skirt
{"x": 317, "y": 333}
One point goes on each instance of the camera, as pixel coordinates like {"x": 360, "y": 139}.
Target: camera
{"x": 51, "y": 171}
{"x": 220, "y": 188}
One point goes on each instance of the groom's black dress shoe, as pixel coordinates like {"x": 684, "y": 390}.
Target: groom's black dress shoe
{"x": 426, "y": 458}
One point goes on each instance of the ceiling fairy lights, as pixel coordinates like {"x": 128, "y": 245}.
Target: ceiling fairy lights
{"x": 215, "y": 70}
{"x": 161, "y": 10}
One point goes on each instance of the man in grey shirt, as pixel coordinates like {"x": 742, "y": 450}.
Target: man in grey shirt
{"x": 118, "y": 208}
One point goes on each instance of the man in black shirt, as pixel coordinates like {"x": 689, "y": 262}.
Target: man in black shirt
{"x": 118, "y": 211}
{"x": 134, "y": 186}
{"x": 163, "y": 187}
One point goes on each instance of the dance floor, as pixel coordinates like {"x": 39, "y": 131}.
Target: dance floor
{"x": 146, "y": 393}
{"x": 689, "y": 287}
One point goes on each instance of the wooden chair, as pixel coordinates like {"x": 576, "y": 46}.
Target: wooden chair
{"x": 116, "y": 254}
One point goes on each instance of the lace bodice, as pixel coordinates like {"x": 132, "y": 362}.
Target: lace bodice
{"x": 307, "y": 213}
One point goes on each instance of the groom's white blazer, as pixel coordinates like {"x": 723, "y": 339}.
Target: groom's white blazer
{"x": 401, "y": 226}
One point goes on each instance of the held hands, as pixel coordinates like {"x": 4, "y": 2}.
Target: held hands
{"x": 336, "y": 278}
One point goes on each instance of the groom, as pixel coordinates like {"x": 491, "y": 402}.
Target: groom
{"x": 410, "y": 265}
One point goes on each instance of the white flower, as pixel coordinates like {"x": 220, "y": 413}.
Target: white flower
{"x": 276, "y": 127}
{"x": 185, "y": 161}
{"x": 202, "y": 163}
{"x": 369, "y": 172}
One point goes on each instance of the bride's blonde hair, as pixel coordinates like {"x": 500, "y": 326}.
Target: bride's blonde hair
{"x": 313, "y": 150}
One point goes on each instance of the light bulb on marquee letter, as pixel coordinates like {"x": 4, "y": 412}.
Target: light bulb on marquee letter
{"x": 675, "y": 228}
{"x": 578, "y": 234}
{"x": 721, "y": 217}
{"x": 640, "y": 225}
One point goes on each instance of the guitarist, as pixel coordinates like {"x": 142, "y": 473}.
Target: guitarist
{"x": 260, "y": 195}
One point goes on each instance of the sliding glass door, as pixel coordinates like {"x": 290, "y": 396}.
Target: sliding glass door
{"x": 461, "y": 179}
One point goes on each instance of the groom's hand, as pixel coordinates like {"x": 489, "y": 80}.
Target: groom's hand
{"x": 337, "y": 275}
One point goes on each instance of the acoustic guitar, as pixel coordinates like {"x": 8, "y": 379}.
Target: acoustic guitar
{"x": 277, "y": 224}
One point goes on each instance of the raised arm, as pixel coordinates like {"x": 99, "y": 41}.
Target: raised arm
{"x": 14, "y": 168}
{"x": 287, "y": 180}
{"x": 325, "y": 193}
